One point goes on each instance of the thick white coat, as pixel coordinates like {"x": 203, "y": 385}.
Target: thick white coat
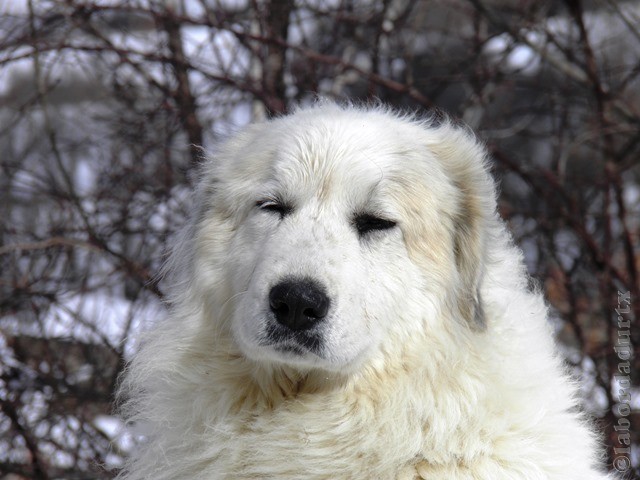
{"x": 439, "y": 364}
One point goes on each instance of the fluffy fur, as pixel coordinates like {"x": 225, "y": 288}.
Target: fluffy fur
{"x": 436, "y": 361}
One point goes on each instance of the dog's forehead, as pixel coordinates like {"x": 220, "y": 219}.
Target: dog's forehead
{"x": 339, "y": 156}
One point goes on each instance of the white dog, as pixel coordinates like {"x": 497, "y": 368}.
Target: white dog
{"x": 349, "y": 306}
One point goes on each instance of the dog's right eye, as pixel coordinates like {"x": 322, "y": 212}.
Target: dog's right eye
{"x": 274, "y": 206}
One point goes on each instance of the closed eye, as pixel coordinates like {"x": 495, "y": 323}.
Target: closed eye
{"x": 274, "y": 206}
{"x": 366, "y": 223}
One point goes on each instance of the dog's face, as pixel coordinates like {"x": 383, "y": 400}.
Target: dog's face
{"x": 341, "y": 234}
{"x": 321, "y": 257}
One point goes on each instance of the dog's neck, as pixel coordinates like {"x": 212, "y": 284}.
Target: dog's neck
{"x": 262, "y": 387}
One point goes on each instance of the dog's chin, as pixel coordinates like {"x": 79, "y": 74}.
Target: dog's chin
{"x": 291, "y": 354}
{"x": 287, "y": 354}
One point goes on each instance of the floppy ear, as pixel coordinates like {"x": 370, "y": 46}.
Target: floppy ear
{"x": 469, "y": 247}
{"x": 465, "y": 164}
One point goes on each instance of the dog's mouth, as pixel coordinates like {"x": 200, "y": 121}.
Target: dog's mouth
{"x": 298, "y": 343}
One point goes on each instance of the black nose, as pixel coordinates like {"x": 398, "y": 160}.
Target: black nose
{"x": 298, "y": 303}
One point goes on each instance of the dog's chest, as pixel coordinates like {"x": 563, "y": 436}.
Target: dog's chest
{"x": 326, "y": 441}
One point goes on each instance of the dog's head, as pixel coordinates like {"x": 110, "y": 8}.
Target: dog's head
{"x": 324, "y": 235}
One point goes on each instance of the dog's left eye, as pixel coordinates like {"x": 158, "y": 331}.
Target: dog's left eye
{"x": 274, "y": 206}
{"x": 366, "y": 223}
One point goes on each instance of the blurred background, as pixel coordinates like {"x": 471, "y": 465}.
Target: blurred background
{"x": 104, "y": 106}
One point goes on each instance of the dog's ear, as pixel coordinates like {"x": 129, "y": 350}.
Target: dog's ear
{"x": 464, "y": 159}
{"x": 469, "y": 248}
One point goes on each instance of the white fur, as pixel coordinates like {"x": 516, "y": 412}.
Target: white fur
{"x": 439, "y": 362}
